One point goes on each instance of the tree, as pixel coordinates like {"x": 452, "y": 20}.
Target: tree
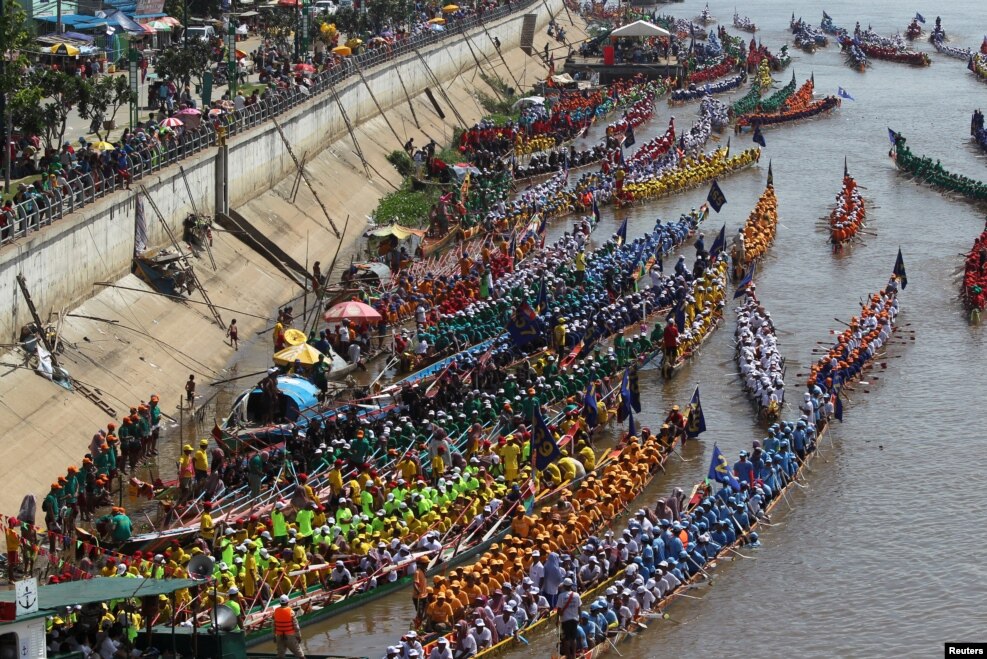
{"x": 387, "y": 12}
{"x": 61, "y": 93}
{"x": 22, "y": 105}
{"x": 102, "y": 99}
{"x": 280, "y": 26}
{"x": 349, "y": 20}
{"x": 185, "y": 64}
{"x": 16, "y": 38}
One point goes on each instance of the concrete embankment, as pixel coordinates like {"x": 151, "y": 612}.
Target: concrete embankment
{"x": 127, "y": 344}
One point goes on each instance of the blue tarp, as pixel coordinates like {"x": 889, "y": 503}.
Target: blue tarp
{"x": 77, "y": 21}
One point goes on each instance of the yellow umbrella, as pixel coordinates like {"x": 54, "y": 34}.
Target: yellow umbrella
{"x": 437, "y": 21}
{"x": 294, "y": 337}
{"x": 64, "y": 49}
{"x": 304, "y": 353}
{"x": 354, "y": 42}
{"x": 450, "y": 8}
{"x": 103, "y": 146}
{"x": 343, "y": 51}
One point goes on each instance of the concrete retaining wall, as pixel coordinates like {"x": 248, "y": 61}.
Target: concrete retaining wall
{"x": 64, "y": 260}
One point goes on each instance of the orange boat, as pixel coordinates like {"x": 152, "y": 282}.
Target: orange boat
{"x": 847, "y": 218}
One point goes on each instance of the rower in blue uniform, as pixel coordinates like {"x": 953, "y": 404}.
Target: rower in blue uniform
{"x": 742, "y": 469}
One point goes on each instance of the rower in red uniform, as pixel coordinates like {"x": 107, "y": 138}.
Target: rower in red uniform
{"x": 670, "y": 342}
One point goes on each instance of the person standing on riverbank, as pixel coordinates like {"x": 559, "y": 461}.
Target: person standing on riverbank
{"x": 190, "y": 391}
{"x": 233, "y": 335}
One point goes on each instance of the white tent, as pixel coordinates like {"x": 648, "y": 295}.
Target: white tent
{"x": 528, "y": 100}
{"x": 640, "y": 29}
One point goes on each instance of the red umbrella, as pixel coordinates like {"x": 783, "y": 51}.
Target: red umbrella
{"x": 353, "y": 310}
{"x": 305, "y": 68}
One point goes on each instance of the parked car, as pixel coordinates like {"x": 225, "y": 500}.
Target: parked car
{"x": 201, "y": 32}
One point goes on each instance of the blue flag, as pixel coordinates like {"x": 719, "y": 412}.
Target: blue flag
{"x": 842, "y": 93}
{"x": 631, "y": 426}
{"x": 543, "y": 445}
{"x": 838, "y": 409}
{"x": 745, "y": 282}
{"x": 919, "y": 17}
{"x": 590, "y": 411}
{"x": 622, "y": 232}
{"x": 542, "y": 300}
{"x": 629, "y": 136}
{"x": 758, "y": 136}
{"x": 596, "y": 209}
{"x": 716, "y": 197}
{"x": 891, "y": 136}
{"x": 899, "y": 270}
{"x": 524, "y": 326}
{"x": 635, "y": 388}
{"x": 625, "y": 397}
{"x": 719, "y": 470}
{"x": 827, "y": 16}
{"x": 695, "y": 423}
{"x": 718, "y": 244}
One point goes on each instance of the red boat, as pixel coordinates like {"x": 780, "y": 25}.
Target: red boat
{"x": 974, "y": 292}
{"x": 914, "y": 30}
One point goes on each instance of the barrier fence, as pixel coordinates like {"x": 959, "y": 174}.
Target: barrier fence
{"x": 73, "y": 190}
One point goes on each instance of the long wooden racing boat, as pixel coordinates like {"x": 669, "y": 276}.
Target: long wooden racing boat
{"x": 766, "y": 413}
{"x": 699, "y": 493}
{"x": 973, "y": 291}
{"x": 849, "y": 215}
{"x": 669, "y": 370}
{"x": 512, "y": 642}
{"x": 726, "y": 553}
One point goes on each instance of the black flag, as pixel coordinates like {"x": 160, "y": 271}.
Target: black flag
{"x": 715, "y": 197}
{"x": 758, "y": 136}
{"x": 899, "y": 270}
{"x": 771, "y": 176}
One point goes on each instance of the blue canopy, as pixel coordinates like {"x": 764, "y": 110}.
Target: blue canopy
{"x": 78, "y": 21}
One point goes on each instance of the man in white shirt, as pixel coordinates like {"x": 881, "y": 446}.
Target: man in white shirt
{"x": 441, "y": 650}
{"x": 506, "y": 624}
{"x": 568, "y": 607}
{"x": 482, "y": 635}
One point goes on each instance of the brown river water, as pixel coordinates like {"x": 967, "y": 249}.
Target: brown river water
{"x": 883, "y": 554}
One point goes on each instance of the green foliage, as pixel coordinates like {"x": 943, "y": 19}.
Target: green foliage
{"x": 15, "y": 33}
{"x": 449, "y": 155}
{"x": 104, "y": 98}
{"x": 407, "y": 206}
{"x": 280, "y": 28}
{"x": 185, "y": 64}
{"x": 349, "y": 20}
{"x": 502, "y": 104}
{"x": 177, "y": 9}
{"x": 402, "y": 162}
{"x": 23, "y": 104}
{"x": 498, "y": 84}
{"x": 61, "y": 93}
{"x": 387, "y": 12}
{"x": 502, "y": 119}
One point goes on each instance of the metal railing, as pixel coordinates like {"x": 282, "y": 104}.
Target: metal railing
{"x": 73, "y": 190}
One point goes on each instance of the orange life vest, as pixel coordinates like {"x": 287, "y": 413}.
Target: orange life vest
{"x": 284, "y": 621}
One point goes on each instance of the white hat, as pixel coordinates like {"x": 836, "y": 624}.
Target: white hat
{"x": 284, "y": 599}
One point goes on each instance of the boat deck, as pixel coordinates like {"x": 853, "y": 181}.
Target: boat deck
{"x": 657, "y": 70}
